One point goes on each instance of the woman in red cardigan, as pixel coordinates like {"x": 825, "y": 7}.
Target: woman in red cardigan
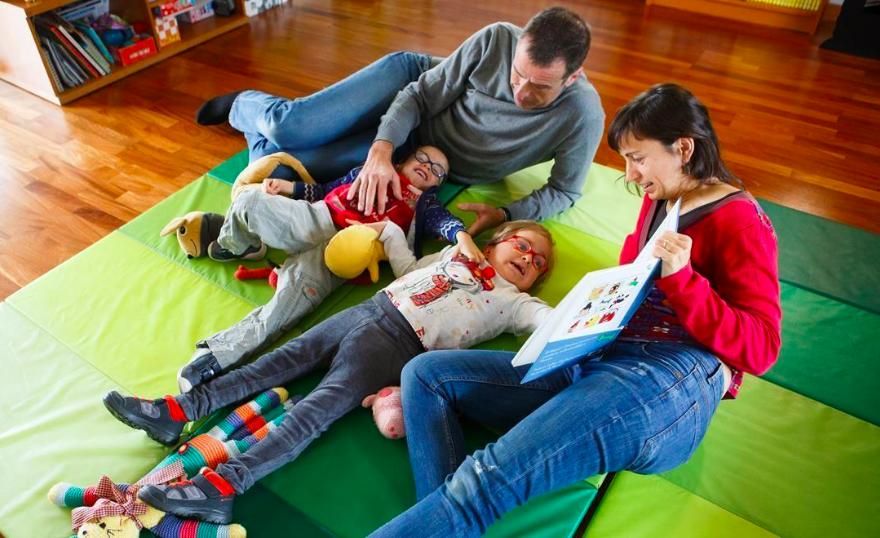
{"x": 646, "y": 403}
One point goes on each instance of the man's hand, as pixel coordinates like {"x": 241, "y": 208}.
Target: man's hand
{"x": 371, "y": 185}
{"x": 466, "y": 246}
{"x": 487, "y": 217}
{"x": 378, "y": 226}
{"x": 277, "y": 186}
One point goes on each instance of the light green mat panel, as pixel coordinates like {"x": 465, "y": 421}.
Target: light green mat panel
{"x": 788, "y": 464}
{"x": 131, "y": 313}
{"x": 54, "y": 428}
{"x": 639, "y": 506}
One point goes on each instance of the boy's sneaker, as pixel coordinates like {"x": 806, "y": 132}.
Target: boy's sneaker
{"x": 202, "y": 367}
{"x": 207, "y": 496}
{"x": 163, "y": 419}
{"x": 220, "y": 254}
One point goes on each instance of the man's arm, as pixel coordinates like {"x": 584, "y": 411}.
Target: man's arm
{"x": 435, "y": 90}
{"x": 569, "y": 173}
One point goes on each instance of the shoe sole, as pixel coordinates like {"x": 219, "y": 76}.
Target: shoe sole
{"x": 258, "y": 255}
{"x": 133, "y": 423}
{"x": 211, "y": 516}
{"x": 183, "y": 383}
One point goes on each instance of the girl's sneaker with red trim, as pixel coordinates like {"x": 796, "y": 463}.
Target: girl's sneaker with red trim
{"x": 207, "y": 496}
{"x": 162, "y": 419}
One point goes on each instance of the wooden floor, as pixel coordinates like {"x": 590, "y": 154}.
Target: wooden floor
{"x": 800, "y": 125}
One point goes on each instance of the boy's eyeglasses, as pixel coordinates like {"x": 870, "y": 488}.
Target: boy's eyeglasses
{"x": 436, "y": 168}
{"x": 523, "y": 246}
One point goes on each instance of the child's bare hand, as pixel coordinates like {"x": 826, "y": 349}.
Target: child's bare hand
{"x": 466, "y": 246}
{"x": 277, "y": 186}
{"x": 378, "y": 226}
{"x": 415, "y": 190}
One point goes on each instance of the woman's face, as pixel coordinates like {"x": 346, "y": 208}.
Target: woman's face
{"x": 656, "y": 168}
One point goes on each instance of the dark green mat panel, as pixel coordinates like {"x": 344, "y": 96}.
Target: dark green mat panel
{"x": 829, "y": 352}
{"x": 639, "y": 506}
{"x": 229, "y": 169}
{"x": 828, "y": 257}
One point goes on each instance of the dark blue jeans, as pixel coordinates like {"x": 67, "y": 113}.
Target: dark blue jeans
{"x": 641, "y": 407}
{"x": 365, "y": 348}
{"x": 329, "y": 131}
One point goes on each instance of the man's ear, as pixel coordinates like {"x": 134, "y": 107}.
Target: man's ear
{"x": 573, "y": 77}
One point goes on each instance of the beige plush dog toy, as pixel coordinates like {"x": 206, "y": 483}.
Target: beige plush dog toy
{"x": 197, "y": 229}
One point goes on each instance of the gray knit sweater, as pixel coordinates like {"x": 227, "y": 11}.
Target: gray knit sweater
{"x": 465, "y": 106}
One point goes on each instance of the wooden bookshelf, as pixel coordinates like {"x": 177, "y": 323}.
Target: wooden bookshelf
{"x": 22, "y": 64}
{"x": 801, "y": 20}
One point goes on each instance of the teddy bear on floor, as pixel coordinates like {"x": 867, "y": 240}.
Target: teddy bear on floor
{"x": 387, "y": 412}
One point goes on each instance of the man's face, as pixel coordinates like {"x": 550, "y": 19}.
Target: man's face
{"x": 535, "y": 86}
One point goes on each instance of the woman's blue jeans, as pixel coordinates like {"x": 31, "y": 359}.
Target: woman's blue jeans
{"x": 643, "y": 407}
{"x": 329, "y": 131}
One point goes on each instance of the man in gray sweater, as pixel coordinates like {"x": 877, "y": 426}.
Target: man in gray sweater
{"x": 506, "y": 99}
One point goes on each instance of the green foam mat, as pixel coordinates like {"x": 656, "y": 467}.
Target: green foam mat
{"x": 829, "y": 352}
{"x": 54, "y": 428}
{"x": 639, "y": 506}
{"x": 830, "y": 258}
{"x": 128, "y": 311}
{"x": 788, "y": 464}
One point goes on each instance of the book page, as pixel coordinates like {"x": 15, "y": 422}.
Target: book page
{"x": 602, "y": 299}
{"x": 669, "y": 224}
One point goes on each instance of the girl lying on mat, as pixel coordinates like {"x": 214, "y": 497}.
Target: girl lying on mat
{"x": 442, "y": 301}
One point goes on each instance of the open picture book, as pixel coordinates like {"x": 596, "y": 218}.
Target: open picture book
{"x": 594, "y": 312}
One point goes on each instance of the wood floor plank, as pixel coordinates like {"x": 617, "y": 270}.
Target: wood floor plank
{"x": 799, "y": 124}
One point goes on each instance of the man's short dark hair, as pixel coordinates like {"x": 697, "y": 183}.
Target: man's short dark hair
{"x": 558, "y": 33}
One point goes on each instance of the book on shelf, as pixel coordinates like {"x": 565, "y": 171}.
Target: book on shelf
{"x": 43, "y": 25}
{"x": 594, "y": 312}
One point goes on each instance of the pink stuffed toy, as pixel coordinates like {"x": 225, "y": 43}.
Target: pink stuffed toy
{"x": 387, "y": 412}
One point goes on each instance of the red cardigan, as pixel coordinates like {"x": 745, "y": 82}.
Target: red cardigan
{"x": 727, "y": 297}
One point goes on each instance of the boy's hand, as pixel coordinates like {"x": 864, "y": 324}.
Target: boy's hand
{"x": 371, "y": 185}
{"x": 465, "y": 245}
{"x": 487, "y": 217}
{"x": 277, "y": 186}
{"x": 378, "y": 226}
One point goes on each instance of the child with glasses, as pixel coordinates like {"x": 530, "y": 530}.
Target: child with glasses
{"x": 442, "y": 301}
{"x": 321, "y": 210}
{"x": 301, "y": 227}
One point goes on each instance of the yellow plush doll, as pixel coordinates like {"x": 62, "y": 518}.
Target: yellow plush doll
{"x": 354, "y": 250}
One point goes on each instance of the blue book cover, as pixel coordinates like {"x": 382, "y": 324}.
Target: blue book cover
{"x": 594, "y": 312}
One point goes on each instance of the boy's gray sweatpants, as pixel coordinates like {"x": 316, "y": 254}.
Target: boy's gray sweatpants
{"x": 301, "y": 229}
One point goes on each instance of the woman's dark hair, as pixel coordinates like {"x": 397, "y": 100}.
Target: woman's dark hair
{"x": 557, "y": 33}
{"x": 667, "y": 112}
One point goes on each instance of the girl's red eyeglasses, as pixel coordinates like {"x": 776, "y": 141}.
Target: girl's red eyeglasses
{"x": 523, "y": 246}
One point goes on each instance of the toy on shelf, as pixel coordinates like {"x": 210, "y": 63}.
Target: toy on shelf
{"x": 166, "y": 30}
{"x": 113, "y": 510}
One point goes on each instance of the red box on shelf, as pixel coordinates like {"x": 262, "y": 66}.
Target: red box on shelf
{"x": 143, "y": 47}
